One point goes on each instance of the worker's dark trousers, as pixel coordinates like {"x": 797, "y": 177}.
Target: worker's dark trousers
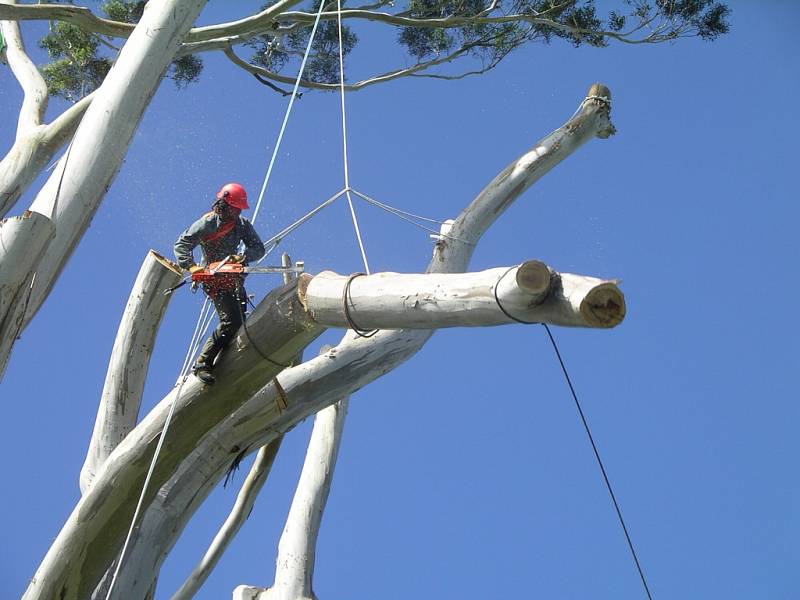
{"x": 230, "y": 305}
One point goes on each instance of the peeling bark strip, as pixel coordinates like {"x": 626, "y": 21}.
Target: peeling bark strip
{"x": 435, "y": 300}
{"x": 129, "y": 362}
{"x": 22, "y": 242}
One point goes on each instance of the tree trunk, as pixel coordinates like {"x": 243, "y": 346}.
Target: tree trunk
{"x": 129, "y": 362}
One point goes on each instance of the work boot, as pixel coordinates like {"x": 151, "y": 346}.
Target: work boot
{"x": 203, "y": 372}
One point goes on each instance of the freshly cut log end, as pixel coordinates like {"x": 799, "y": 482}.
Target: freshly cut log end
{"x": 166, "y": 262}
{"x": 604, "y": 306}
{"x": 599, "y": 89}
{"x": 303, "y": 281}
{"x": 597, "y": 92}
{"x": 533, "y": 276}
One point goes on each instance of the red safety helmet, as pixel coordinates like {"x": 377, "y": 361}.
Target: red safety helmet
{"x": 234, "y": 195}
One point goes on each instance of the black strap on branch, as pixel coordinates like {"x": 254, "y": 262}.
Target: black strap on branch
{"x": 360, "y": 332}
{"x": 500, "y": 304}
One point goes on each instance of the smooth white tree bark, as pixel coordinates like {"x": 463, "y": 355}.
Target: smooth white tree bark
{"x": 35, "y": 142}
{"x": 129, "y": 362}
{"x": 22, "y": 241}
{"x": 437, "y": 300}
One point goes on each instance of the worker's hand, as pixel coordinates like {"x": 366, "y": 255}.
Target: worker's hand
{"x": 236, "y": 258}
{"x": 194, "y": 269}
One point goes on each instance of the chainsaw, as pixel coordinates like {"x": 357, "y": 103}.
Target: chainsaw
{"x": 225, "y": 274}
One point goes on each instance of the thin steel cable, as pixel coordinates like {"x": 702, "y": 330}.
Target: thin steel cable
{"x": 275, "y": 239}
{"x": 402, "y": 215}
{"x": 391, "y": 208}
{"x": 288, "y": 112}
{"x": 599, "y": 462}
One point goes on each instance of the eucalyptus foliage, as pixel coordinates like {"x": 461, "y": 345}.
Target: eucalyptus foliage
{"x": 430, "y": 32}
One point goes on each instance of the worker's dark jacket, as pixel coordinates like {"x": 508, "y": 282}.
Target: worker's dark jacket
{"x": 218, "y": 249}
{"x": 230, "y": 304}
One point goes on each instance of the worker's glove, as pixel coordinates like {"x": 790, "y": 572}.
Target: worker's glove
{"x": 194, "y": 269}
{"x": 236, "y": 258}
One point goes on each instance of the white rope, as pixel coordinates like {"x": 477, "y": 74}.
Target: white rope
{"x": 344, "y": 142}
{"x": 288, "y": 112}
{"x": 182, "y": 380}
{"x": 276, "y": 239}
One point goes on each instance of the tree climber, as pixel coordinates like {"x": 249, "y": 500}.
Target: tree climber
{"x": 219, "y": 234}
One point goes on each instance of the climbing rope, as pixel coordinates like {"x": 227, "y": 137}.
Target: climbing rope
{"x": 183, "y": 377}
{"x": 344, "y": 140}
{"x": 288, "y": 111}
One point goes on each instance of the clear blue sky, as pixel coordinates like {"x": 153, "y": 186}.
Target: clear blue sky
{"x": 466, "y": 473}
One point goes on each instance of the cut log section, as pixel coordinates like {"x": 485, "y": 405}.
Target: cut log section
{"x": 530, "y": 293}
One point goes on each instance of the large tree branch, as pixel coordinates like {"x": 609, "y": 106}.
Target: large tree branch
{"x": 353, "y": 87}
{"x": 34, "y": 103}
{"x": 531, "y": 292}
{"x": 458, "y": 21}
{"x": 33, "y": 150}
{"x": 70, "y": 198}
{"x": 656, "y": 29}
{"x": 77, "y": 15}
{"x": 129, "y": 362}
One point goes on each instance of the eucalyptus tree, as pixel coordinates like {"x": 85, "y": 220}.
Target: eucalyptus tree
{"x": 109, "y": 67}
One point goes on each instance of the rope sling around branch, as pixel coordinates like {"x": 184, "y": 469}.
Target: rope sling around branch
{"x": 193, "y": 344}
